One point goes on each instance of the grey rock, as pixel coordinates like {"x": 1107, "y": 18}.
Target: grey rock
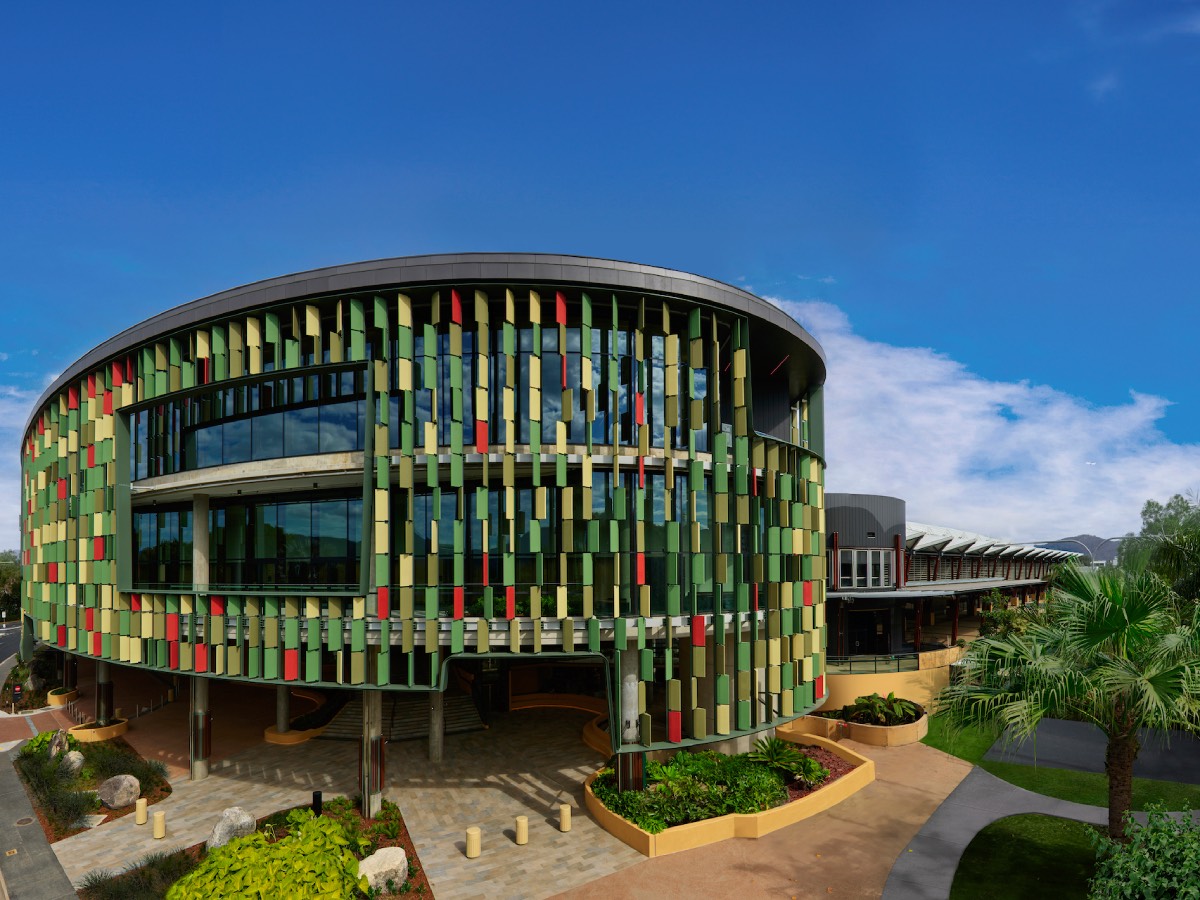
{"x": 384, "y": 865}
{"x": 235, "y": 822}
{"x": 58, "y": 743}
{"x": 73, "y": 762}
{"x": 119, "y": 791}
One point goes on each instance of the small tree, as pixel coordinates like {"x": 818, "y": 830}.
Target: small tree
{"x": 1113, "y": 650}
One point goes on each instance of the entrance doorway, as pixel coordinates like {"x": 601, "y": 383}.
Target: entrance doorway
{"x": 867, "y": 632}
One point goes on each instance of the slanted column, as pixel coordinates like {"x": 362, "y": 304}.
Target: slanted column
{"x": 371, "y": 758}
{"x": 629, "y": 762}
{"x": 283, "y": 709}
{"x": 437, "y": 726}
{"x": 200, "y": 541}
{"x": 201, "y": 729}
{"x": 631, "y": 731}
{"x": 70, "y": 672}
{"x": 104, "y": 693}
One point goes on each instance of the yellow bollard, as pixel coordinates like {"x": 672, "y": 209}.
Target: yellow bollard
{"x": 160, "y": 825}
{"x": 522, "y": 830}
{"x": 139, "y": 815}
{"x": 564, "y": 817}
{"x": 474, "y": 842}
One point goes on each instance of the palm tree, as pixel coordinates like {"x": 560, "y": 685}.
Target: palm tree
{"x": 1114, "y": 649}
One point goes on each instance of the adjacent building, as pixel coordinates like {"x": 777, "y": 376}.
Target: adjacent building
{"x": 902, "y": 595}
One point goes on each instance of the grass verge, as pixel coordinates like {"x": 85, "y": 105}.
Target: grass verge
{"x": 1090, "y": 788}
{"x": 1027, "y": 856}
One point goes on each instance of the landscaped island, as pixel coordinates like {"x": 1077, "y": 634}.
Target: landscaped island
{"x": 698, "y": 798}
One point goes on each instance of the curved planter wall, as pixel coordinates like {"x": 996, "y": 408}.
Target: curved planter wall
{"x": 753, "y": 825}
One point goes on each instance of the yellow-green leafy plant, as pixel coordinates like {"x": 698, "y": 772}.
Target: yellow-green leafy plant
{"x": 313, "y": 860}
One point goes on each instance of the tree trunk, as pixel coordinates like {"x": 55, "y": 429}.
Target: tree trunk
{"x": 1118, "y": 765}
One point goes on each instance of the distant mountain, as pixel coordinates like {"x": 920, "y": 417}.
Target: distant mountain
{"x": 1100, "y": 549}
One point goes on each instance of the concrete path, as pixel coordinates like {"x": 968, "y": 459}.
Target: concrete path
{"x": 32, "y": 871}
{"x": 925, "y": 869}
{"x": 844, "y": 852}
{"x": 526, "y": 763}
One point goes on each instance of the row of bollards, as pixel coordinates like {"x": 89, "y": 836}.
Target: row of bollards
{"x": 475, "y": 834}
{"x": 160, "y": 818}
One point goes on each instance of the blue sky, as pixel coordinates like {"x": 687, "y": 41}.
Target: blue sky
{"x": 989, "y": 216}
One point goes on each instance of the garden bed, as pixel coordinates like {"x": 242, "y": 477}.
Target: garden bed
{"x": 60, "y": 801}
{"x": 848, "y": 775}
{"x": 154, "y": 874}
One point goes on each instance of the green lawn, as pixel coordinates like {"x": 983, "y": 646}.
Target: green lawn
{"x": 1081, "y": 787}
{"x": 1027, "y": 856}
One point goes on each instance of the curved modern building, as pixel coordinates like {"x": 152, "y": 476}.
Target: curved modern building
{"x": 371, "y": 474}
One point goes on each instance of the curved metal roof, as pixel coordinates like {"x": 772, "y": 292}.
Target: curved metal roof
{"x": 786, "y": 339}
{"x": 936, "y": 538}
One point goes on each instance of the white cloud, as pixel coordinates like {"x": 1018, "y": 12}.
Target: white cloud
{"x": 1010, "y": 459}
{"x": 15, "y": 405}
{"x": 1100, "y": 88}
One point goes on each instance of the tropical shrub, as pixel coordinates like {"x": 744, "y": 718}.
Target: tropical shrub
{"x": 789, "y": 760}
{"x": 1161, "y": 859}
{"x": 876, "y": 710}
{"x": 313, "y": 860}
{"x": 41, "y": 743}
{"x": 692, "y": 787}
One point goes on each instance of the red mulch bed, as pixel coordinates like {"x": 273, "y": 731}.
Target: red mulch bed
{"x": 418, "y": 882}
{"x": 54, "y": 835}
{"x": 835, "y": 764}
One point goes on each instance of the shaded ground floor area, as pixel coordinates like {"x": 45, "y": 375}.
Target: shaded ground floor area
{"x": 525, "y": 762}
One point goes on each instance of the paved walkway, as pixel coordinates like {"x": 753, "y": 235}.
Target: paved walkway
{"x": 527, "y": 763}
{"x": 844, "y": 852}
{"x": 925, "y": 870}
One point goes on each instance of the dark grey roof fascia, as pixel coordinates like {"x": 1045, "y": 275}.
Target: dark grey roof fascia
{"x": 437, "y": 268}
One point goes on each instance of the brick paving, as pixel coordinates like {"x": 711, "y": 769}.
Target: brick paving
{"x": 261, "y": 780}
{"x": 527, "y": 763}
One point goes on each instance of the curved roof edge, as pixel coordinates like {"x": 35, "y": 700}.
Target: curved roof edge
{"x": 462, "y": 268}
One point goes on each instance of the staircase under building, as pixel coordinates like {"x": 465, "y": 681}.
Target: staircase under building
{"x": 406, "y": 717}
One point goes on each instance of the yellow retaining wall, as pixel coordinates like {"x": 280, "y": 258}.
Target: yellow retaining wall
{"x": 873, "y": 735}
{"x": 88, "y": 733}
{"x": 921, "y": 686}
{"x": 288, "y": 738}
{"x": 752, "y": 825}
{"x": 61, "y": 699}
{"x": 581, "y": 702}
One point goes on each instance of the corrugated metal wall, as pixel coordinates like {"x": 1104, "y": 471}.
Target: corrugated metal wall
{"x": 854, "y": 516}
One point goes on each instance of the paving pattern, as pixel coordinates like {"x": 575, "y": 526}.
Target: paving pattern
{"x": 527, "y": 763}
{"x": 261, "y": 780}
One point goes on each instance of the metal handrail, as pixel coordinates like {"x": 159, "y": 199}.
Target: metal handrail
{"x": 851, "y": 665}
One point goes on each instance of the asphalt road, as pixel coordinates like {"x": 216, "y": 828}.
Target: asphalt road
{"x": 10, "y": 640}
{"x": 1080, "y": 746}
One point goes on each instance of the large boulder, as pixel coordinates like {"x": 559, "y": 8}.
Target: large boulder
{"x": 384, "y": 865}
{"x": 58, "y": 743}
{"x": 235, "y": 822}
{"x": 73, "y": 762}
{"x": 119, "y": 791}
